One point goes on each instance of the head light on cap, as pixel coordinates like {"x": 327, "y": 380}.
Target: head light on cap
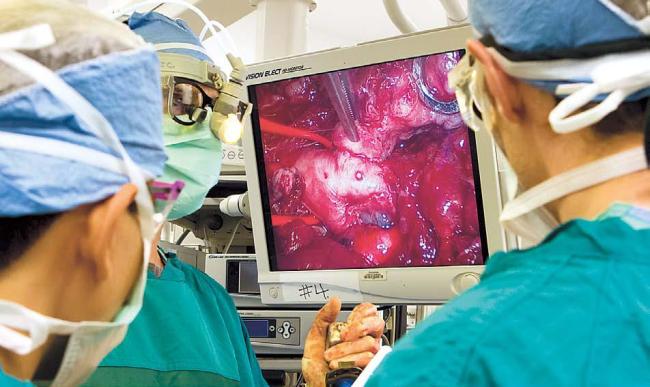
{"x": 230, "y": 110}
{"x": 227, "y": 128}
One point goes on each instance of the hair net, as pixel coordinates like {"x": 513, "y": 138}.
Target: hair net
{"x": 157, "y": 28}
{"x": 120, "y": 81}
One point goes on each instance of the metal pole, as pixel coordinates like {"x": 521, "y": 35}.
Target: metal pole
{"x": 281, "y": 27}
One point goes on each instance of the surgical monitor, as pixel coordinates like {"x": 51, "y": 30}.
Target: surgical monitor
{"x": 364, "y": 182}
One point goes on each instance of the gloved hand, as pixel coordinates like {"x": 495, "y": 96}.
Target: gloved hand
{"x": 361, "y": 341}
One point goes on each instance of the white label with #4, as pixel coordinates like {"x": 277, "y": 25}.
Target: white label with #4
{"x": 318, "y": 293}
{"x": 313, "y": 289}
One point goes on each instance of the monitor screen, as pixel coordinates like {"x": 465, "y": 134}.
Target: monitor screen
{"x": 368, "y": 167}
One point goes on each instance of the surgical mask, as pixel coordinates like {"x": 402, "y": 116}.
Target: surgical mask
{"x": 194, "y": 157}
{"x": 89, "y": 341}
{"x": 526, "y": 215}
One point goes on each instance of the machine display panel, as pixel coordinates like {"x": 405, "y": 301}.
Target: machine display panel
{"x": 257, "y": 328}
{"x": 368, "y": 167}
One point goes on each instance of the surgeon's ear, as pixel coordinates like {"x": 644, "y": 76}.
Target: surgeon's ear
{"x": 103, "y": 220}
{"x": 502, "y": 86}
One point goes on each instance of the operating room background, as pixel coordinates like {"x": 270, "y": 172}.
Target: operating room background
{"x": 334, "y": 23}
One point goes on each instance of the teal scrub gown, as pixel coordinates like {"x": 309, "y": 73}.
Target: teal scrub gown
{"x": 9, "y": 381}
{"x": 573, "y": 311}
{"x": 188, "y": 333}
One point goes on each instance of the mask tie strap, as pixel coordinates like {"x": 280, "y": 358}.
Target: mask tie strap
{"x": 621, "y": 164}
{"x": 646, "y": 133}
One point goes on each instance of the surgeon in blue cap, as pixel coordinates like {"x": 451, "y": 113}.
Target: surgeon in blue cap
{"x": 80, "y": 146}
{"x": 563, "y": 88}
{"x": 189, "y": 332}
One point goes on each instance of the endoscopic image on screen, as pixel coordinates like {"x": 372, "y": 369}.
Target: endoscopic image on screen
{"x": 369, "y": 167}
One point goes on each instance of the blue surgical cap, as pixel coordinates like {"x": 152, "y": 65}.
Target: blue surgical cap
{"x": 125, "y": 88}
{"x": 157, "y": 28}
{"x": 534, "y": 26}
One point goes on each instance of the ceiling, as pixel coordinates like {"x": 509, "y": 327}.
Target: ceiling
{"x": 225, "y": 12}
{"x": 334, "y": 23}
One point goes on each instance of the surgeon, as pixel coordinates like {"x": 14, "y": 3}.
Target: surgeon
{"x": 79, "y": 147}
{"x": 562, "y": 86}
{"x": 189, "y": 332}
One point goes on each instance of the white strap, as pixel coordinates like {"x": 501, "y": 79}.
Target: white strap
{"x": 17, "y": 342}
{"x": 31, "y": 38}
{"x": 617, "y": 76}
{"x": 597, "y": 172}
{"x": 15, "y": 316}
{"x": 552, "y": 70}
{"x": 562, "y": 117}
{"x": 642, "y": 25}
{"x": 183, "y": 46}
{"x": 210, "y": 27}
{"x": 62, "y": 150}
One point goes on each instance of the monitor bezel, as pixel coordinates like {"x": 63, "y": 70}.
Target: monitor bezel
{"x": 274, "y": 284}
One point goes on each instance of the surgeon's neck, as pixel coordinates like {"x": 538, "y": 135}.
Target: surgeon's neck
{"x": 590, "y": 203}
{"x": 560, "y": 153}
{"x": 154, "y": 257}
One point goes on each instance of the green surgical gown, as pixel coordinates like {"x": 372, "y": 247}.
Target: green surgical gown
{"x": 188, "y": 333}
{"x": 573, "y": 311}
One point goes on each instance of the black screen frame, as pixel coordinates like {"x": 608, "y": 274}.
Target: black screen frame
{"x": 264, "y": 190}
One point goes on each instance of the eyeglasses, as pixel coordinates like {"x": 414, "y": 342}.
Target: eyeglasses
{"x": 468, "y": 82}
{"x": 185, "y": 100}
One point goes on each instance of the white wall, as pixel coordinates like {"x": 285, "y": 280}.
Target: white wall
{"x": 338, "y": 23}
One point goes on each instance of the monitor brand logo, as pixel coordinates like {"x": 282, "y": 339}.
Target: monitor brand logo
{"x": 374, "y": 275}
{"x": 278, "y": 71}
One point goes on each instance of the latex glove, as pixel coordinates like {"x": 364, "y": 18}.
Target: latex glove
{"x": 361, "y": 341}
{"x": 361, "y": 338}
{"x": 314, "y": 365}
